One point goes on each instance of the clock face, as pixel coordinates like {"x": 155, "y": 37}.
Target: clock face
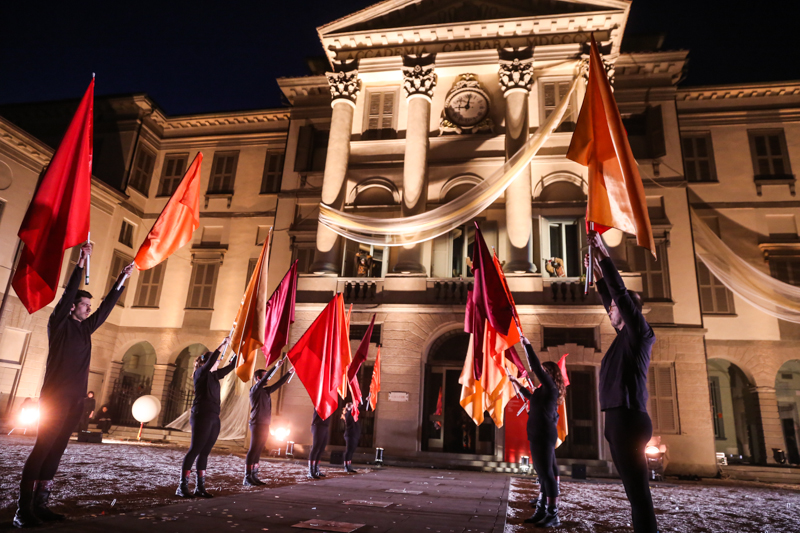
{"x": 467, "y": 108}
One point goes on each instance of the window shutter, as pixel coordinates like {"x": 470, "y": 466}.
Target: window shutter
{"x": 374, "y": 111}
{"x": 388, "y": 110}
{"x": 655, "y": 132}
{"x": 662, "y": 404}
{"x": 305, "y": 140}
{"x": 653, "y": 399}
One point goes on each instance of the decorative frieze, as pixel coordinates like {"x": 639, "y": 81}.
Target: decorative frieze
{"x": 419, "y": 80}
{"x": 344, "y": 85}
{"x": 516, "y": 74}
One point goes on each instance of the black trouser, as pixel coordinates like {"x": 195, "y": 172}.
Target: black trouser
{"x": 351, "y": 439}
{"x": 319, "y": 440}
{"x": 57, "y": 420}
{"x": 104, "y": 424}
{"x": 205, "y": 430}
{"x": 83, "y": 425}
{"x": 627, "y": 432}
{"x": 258, "y": 439}
{"x": 543, "y": 455}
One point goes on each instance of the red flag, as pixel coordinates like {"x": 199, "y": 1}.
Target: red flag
{"x": 375, "y": 385}
{"x": 562, "y": 365}
{"x": 487, "y": 302}
{"x": 616, "y": 194}
{"x": 317, "y": 356}
{"x": 352, "y": 370}
{"x": 177, "y": 222}
{"x": 280, "y": 315}
{"x": 58, "y": 216}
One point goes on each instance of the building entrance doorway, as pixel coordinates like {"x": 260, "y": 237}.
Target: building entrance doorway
{"x": 581, "y": 441}
{"x": 446, "y": 427}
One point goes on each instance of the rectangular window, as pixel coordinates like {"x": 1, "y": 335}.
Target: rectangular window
{"x": 251, "y": 267}
{"x": 552, "y": 93}
{"x": 552, "y": 337}
{"x": 118, "y": 261}
{"x": 768, "y": 150}
{"x": 148, "y": 293}
{"x": 646, "y": 133}
{"x": 715, "y": 298}
{"x": 73, "y": 260}
{"x": 380, "y": 115}
{"x": 203, "y": 286}
{"x": 273, "y": 171}
{"x": 171, "y": 173}
{"x": 655, "y": 274}
{"x": 126, "y": 234}
{"x": 698, "y": 157}
{"x": 786, "y": 269}
{"x": 716, "y": 407}
{"x": 223, "y": 172}
{"x": 304, "y": 255}
{"x": 142, "y": 170}
{"x": 663, "y": 403}
{"x": 561, "y": 242}
{"x": 357, "y": 332}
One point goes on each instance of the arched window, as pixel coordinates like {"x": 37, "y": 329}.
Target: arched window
{"x": 457, "y": 186}
{"x": 374, "y": 192}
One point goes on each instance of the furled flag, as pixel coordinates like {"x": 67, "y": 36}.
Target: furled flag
{"x": 58, "y": 215}
{"x": 317, "y": 356}
{"x": 561, "y": 427}
{"x": 345, "y": 359}
{"x": 280, "y": 315}
{"x": 177, "y": 222}
{"x": 352, "y": 370}
{"x": 375, "y": 384}
{"x": 600, "y": 142}
{"x": 485, "y": 386}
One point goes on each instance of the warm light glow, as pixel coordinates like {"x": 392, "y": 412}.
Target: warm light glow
{"x": 29, "y": 416}
{"x": 280, "y": 433}
{"x": 146, "y": 408}
{"x": 652, "y": 450}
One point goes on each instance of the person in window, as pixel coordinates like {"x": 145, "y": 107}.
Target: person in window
{"x": 260, "y": 419}
{"x": 352, "y": 430}
{"x": 88, "y": 410}
{"x": 363, "y": 264}
{"x": 103, "y": 419}
{"x": 623, "y": 385}
{"x": 61, "y": 400}
{"x": 204, "y": 418}
{"x": 543, "y": 433}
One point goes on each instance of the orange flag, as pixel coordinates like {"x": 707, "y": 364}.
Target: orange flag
{"x": 317, "y": 357}
{"x": 562, "y": 429}
{"x": 375, "y": 386}
{"x": 600, "y": 142}
{"x": 176, "y": 223}
{"x": 250, "y": 323}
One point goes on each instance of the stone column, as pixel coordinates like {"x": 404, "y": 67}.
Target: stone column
{"x": 419, "y": 83}
{"x": 770, "y": 421}
{"x": 345, "y": 87}
{"x": 162, "y": 378}
{"x": 516, "y": 78}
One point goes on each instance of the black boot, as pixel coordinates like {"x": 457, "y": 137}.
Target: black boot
{"x": 535, "y": 501}
{"x": 254, "y": 476}
{"x": 200, "y": 485}
{"x": 318, "y": 471}
{"x": 551, "y": 518}
{"x": 25, "y": 516}
{"x": 40, "y": 498}
{"x": 312, "y": 472}
{"x": 248, "y": 476}
{"x": 541, "y": 512}
{"x": 349, "y": 469}
{"x": 183, "y": 489}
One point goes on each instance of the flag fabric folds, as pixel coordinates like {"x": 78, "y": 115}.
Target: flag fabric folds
{"x": 318, "y": 355}
{"x": 375, "y": 384}
{"x": 250, "y": 323}
{"x": 59, "y": 213}
{"x": 177, "y": 222}
{"x": 280, "y": 315}
{"x": 352, "y": 371}
{"x": 561, "y": 427}
{"x": 600, "y": 142}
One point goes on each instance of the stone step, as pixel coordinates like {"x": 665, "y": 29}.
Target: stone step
{"x": 765, "y": 474}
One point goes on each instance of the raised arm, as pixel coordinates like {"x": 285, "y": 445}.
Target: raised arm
{"x": 210, "y": 362}
{"x": 536, "y": 366}
{"x": 96, "y": 319}
{"x": 64, "y": 305}
{"x": 278, "y": 384}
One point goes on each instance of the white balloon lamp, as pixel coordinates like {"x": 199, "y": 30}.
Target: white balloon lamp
{"x": 145, "y": 409}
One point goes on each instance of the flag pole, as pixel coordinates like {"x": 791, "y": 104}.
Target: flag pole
{"x": 88, "y": 257}
{"x": 124, "y": 277}
{"x": 590, "y": 269}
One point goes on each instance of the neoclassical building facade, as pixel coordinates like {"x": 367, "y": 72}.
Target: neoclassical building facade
{"x": 420, "y": 102}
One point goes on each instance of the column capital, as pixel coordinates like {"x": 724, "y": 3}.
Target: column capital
{"x": 419, "y": 80}
{"x": 345, "y": 86}
{"x": 516, "y": 75}
{"x": 609, "y": 64}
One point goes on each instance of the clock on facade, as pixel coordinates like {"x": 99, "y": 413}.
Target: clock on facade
{"x": 466, "y": 107}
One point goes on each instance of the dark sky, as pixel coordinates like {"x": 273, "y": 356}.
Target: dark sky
{"x": 216, "y": 56}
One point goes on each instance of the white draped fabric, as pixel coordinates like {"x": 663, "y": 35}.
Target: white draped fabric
{"x": 757, "y": 288}
{"x": 426, "y": 226}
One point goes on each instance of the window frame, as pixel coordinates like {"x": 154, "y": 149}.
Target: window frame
{"x": 381, "y": 132}
{"x": 661, "y": 251}
{"x": 781, "y": 134}
{"x": 276, "y": 175}
{"x": 138, "y": 174}
{"x": 214, "y": 176}
{"x": 196, "y": 264}
{"x": 124, "y": 259}
{"x": 139, "y": 299}
{"x": 713, "y": 286}
{"x": 303, "y": 248}
{"x": 175, "y": 179}
{"x": 695, "y": 160}
{"x": 570, "y": 116}
{"x": 126, "y": 237}
{"x": 655, "y": 397}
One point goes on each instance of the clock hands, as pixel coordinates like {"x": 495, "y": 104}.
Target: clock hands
{"x": 469, "y": 97}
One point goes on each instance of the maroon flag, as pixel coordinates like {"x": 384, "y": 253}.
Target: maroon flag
{"x": 58, "y": 216}
{"x": 352, "y": 370}
{"x": 280, "y": 315}
{"x": 488, "y": 301}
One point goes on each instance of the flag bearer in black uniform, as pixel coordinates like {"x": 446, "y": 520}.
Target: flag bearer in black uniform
{"x": 61, "y": 401}
{"x": 352, "y": 432}
{"x": 260, "y": 419}
{"x": 319, "y": 440}
{"x": 623, "y": 386}
{"x": 204, "y": 418}
{"x": 543, "y": 433}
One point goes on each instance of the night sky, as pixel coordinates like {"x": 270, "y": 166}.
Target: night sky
{"x": 192, "y": 58}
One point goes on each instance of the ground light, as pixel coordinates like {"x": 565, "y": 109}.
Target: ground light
{"x": 27, "y": 419}
{"x": 655, "y": 460}
{"x": 289, "y": 449}
{"x": 379, "y": 456}
{"x": 525, "y": 464}
{"x": 281, "y": 434}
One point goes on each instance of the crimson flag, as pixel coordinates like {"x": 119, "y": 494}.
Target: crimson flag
{"x": 58, "y": 216}
{"x": 352, "y": 370}
{"x": 280, "y": 315}
{"x": 375, "y": 384}
{"x": 317, "y": 356}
